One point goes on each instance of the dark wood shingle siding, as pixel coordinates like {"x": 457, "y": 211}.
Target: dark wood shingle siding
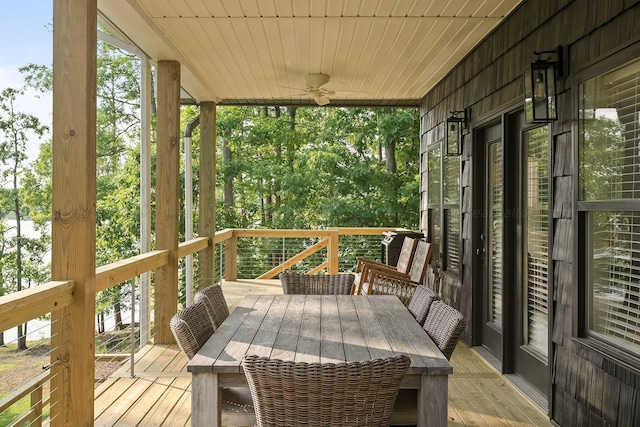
{"x": 587, "y": 388}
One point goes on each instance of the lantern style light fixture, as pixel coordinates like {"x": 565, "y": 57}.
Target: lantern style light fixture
{"x": 453, "y": 135}
{"x": 540, "y": 97}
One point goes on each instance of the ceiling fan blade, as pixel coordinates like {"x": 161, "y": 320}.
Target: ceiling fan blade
{"x": 321, "y": 100}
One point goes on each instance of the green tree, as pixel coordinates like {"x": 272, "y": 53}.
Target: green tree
{"x": 117, "y": 166}
{"x": 20, "y": 257}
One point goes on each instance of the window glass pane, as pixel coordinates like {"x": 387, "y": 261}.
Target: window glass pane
{"x": 452, "y": 217}
{"x": 433, "y": 175}
{"x": 451, "y": 184}
{"x": 609, "y": 135}
{"x": 536, "y": 232}
{"x": 495, "y": 233}
{"x": 434, "y": 234}
{"x": 614, "y": 277}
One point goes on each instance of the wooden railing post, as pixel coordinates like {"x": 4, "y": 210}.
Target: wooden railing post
{"x": 36, "y": 407}
{"x": 231, "y": 258}
{"x": 332, "y": 250}
{"x": 167, "y": 198}
{"x": 73, "y": 225}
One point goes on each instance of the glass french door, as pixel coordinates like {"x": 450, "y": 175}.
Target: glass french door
{"x": 532, "y": 317}
{"x": 492, "y": 242}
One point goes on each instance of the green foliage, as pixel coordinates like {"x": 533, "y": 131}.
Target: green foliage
{"x": 21, "y": 262}
{"x": 318, "y": 167}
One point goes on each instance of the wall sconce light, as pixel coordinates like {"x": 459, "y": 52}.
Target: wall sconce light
{"x": 453, "y": 134}
{"x": 540, "y": 97}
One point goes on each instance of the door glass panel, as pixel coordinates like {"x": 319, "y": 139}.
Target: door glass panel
{"x": 536, "y": 238}
{"x": 496, "y": 207}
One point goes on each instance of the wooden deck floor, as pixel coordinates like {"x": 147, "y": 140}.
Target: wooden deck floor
{"x": 160, "y": 392}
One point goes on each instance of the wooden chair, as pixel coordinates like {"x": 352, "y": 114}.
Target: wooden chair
{"x": 387, "y": 282}
{"x": 445, "y": 325}
{"x": 421, "y": 302}
{"x": 191, "y": 328}
{"x": 215, "y": 303}
{"x": 403, "y": 265}
{"x": 355, "y": 394}
{"x": 390, "y": 285}
{"x": 317, "y": 284}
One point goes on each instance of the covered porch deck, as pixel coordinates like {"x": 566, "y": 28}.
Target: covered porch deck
{"x": 160, "y": 392}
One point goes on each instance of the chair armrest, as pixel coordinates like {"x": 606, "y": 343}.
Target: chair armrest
{"x": 364, "y": 262}
{"x": 375, "y": 272}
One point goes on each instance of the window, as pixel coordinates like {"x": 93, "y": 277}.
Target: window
{"x": 443, "y": 205}
{"x": 451, "y": 213}
{"x": 433, "y": 200}
{"x": 609, "y": 205}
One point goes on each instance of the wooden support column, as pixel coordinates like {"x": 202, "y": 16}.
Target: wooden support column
{"x": 73, "y": 227}
{"x": 207, "y": 192}
{"x": 231, "y": 258}
{"x": 167, "y": 197}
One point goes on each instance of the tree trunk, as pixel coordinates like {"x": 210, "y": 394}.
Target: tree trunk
{"x": 101, "y": 323}
{"x": 228, "y": 179}
{"x": 118, "y": 315}
{"x": 392, "y": 169}
{"x": 22, "y": 338}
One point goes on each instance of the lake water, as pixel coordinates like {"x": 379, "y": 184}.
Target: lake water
{"x": 36, "y": 329}
{"x": 40, "y": 329}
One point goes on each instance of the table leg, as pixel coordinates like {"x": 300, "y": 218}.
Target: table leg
{"x": 433, "y": 398}
{"x": 206, "y": 400}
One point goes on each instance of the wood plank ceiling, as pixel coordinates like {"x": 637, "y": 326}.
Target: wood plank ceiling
{"x": 242, "y": 52}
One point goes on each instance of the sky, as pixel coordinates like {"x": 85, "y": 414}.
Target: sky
{"x": 26, "y": 37}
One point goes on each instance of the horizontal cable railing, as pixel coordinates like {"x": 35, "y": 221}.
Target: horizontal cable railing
{"x": 124, "y": 319}
{"x": 25, "y": 358}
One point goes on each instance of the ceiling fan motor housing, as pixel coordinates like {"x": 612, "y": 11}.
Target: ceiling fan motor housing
{"x": 314, "y": 81}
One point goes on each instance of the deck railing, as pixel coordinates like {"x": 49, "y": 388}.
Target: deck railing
{"x": 240, "y": 253}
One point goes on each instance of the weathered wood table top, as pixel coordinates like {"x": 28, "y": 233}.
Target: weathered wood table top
{"x": 319, "y": 328}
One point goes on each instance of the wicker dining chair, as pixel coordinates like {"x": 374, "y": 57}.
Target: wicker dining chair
{"x": 317, "y": 284}
{"x": 355, "y": 394}
{"x": 445, "y": 325}
{"x": 216, "y": 304}
{"x": 420, "y": 302}
{"x": 191, "y": 328}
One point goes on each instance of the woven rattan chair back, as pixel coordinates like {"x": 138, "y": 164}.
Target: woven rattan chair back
{"x": 420, "y": 262}
{"x": 421, "y": 302}
{"x": 444, "y": 324}
{"x": 317, "y": 284}
{"x": 354, "y": 394}
{"x": 192, "y": 328}
{"x": 216, "y": 304}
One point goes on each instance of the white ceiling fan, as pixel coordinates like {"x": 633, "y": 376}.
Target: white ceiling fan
{"x": 313, "y": 86}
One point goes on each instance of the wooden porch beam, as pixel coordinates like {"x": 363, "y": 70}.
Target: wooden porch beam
{"x": 73, "y": 227}
{"x": 167, "y": 197}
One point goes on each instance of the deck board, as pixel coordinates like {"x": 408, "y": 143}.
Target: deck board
{"x": 160, "y": 393}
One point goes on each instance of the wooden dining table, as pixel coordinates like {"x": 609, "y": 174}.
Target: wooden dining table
{"x": 318, "y": 328}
